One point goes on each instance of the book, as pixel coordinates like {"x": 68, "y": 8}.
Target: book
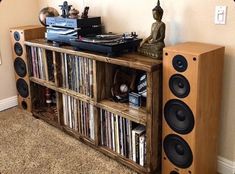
{"x": 91, "y": 121}
{"x": 113, "y": 131}
{"x": 117, "y": 134}
{"x": 142, "y": 151}
{"x": 136, "y": 133}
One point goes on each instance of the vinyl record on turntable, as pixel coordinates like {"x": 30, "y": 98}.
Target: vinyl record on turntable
{"x": 103, "y": 38}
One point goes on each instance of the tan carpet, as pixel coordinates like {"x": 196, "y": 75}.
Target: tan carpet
{"x": 30, "y": 146}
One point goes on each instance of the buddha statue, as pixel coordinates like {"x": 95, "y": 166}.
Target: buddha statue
{"x": 153, "y": 45}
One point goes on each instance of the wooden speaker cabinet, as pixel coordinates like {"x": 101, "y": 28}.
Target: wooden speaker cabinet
{"x": 192, "y": 82}
{"x": 18, "y": 36}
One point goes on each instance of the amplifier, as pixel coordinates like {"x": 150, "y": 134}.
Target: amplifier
{"x": 73, "y": 23}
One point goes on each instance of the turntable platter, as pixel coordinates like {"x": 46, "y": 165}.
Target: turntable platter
{"x": 103, "y": 38}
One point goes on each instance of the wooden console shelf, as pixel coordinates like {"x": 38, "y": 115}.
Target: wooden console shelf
{"x": 71, "y": 90}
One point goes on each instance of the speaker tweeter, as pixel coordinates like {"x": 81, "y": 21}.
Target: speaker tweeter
{"x": 17, "y": 36}
{"x": 180, "y": 63}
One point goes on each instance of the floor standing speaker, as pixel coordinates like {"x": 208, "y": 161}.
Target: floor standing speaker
{"x": 18, "y": 36}
{"x": 192, "y": 81}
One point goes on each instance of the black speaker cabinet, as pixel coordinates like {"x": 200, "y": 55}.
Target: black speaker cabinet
{"x": 192, "y": 82}
{"x": 18, "y": 36}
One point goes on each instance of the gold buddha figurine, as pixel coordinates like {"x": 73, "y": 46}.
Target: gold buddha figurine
{"x": 153, "y": 45}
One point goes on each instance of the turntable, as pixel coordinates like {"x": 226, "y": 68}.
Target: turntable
{"x": 110, "y": 44}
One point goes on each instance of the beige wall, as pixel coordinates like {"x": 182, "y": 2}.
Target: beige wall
{"x": 185, "y": 20}
{"x": 12, "y": 13}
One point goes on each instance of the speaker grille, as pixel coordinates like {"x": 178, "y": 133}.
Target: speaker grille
{"x": 22, "y": 88}
{"x": 17, "y": 36}
{"x": 20, "y": 67}
{"x": 178, "y": 151}
{"x": 18, "y": 49}
{"x": 180, "y": 63}
{"x": 179, "y": 86}
{"x": 179, "y": 116}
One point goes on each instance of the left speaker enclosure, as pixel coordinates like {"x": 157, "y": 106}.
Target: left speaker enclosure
{"x": 19, "y": 54}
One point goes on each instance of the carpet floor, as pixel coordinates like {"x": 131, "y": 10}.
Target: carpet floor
{"x": 31, "y": 146}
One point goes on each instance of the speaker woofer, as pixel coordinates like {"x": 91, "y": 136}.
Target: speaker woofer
{"x": 24, "y": 105}
{"x": 179, "y": 116}
{"x": 174, "y": 172}
{"x": 17, "y": 36}
{"x": 178, "y": 151}
{"x": 179, "y": 86}
{"x": 18, "y": 49}
{"x": 180, "y": 63}
{"x": 22, "y": 88}
{"x": 20, "y": 67}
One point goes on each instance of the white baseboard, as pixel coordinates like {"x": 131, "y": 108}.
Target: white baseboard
{"x": 226, "y": 166}
{"x": 8, "y": 103}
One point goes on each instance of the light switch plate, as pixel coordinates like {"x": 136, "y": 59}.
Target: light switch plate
{"x": 0, "y": 56}
{"x": 220, "y": 15}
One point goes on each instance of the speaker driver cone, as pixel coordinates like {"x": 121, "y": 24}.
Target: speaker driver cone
{"x": 22, "y": 88}
{"x": 179, "y": 116}
{"x": 20, "y": 67}
{"x": 18, "y": 49}
{"x": 179, "y": 86}
{"x": 17, "y": 36}
{"x": 180, "y": 63}
{"x": 178, "y": 151}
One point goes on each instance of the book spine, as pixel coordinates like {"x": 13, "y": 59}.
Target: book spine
{"x": 91, "y": 77}
{"x": 66, "y": 70}
{"x": 113, "y": 131}
{"x": 117, "y": 133}
{"x": 101, "y": 127}
{"x": 33, "y": 62}
{"x": 64, "y": 108}
{"x": 137, "y": 148}
{"x": 104, "y": 127}
{"x": 121, "y": 136}
{"x": 62, "y": 70}
{"x": 75, "y": 115}
{"x": 36, "y": 62}
{"x": 92, "y": 122}
{"x": 79, "y": 116}
{"x": 133, "y": 146}
{"x": 142, "y": 151}
{"x": 124, "y": 137}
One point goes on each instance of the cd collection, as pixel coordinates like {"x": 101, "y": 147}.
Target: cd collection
{"x": 123, "y": 136}
{"x": 78, "y": 116}
{"x": 77, "y": 74}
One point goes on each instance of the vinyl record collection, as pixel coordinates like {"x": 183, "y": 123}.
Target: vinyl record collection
{"x": 123, "y": 136}
{"x": 41, "y": 64}
{"x": 77, "y": 74}
{"x": 78, "y": 116}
